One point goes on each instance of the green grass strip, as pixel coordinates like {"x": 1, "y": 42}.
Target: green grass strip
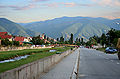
{"x": 38, "y": 54}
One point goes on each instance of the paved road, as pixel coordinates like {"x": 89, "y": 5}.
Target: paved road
{"x": 98, "y": 65}
{"x": 62, "y": 70}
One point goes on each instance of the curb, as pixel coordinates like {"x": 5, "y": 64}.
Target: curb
{"x": 74, "y": 74}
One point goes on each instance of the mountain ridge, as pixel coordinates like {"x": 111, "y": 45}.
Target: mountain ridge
{"x": 80, "y": 26}
{"x": 14, "y": 28}
{"x": 83, "y": 27}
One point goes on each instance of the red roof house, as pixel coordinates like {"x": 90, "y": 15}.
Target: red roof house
{"x": 6, "y": 36}
{"x": 3, "y": 33}
{"x": 20, "y": 39}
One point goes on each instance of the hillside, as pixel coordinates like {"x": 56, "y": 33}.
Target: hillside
{"x": 80, "y": 26}
{"x": 14, "y": 28}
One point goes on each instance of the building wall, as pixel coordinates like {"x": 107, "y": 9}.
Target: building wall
{"x": 0, "y": 41}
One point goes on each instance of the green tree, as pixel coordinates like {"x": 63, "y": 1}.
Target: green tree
{"x": 79, "y": 39}
{"x": 82, "y": 42}
{"x": 57, "y": 39}
{"x": 103, "y": 40}
{"x": 52, "y": 41}
{"x": 37, "y": 41}
{"x": 66, "y": 42}
{"x": 15, "y": 43}
{"x": 71, "y": 39}
{"x": 61, "y": 39}
{"x": 111, "y": 35}
{"x": 5, "y": 42}
{"x": 45, "y": 36}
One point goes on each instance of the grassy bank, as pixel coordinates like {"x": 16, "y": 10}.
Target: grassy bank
{"x": 35, "y": 54}
{"x": 101, "y": 49}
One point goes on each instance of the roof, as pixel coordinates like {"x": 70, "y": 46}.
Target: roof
{"x": 3, "y": 33}
{"x": 41, "y": 38}
{"x": 19, "y": 39}
{"x": 5, "y": 36}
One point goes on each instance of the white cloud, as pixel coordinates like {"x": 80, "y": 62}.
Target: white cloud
{"x": 107, "y": 2}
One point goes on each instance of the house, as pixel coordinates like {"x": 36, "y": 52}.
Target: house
{"x": 45, "y": 41}
{"x": 41, "y": 38}
{"x": 43, "y": 35}
{"x": 3, "y": 33}
{"x": 29, "y": 38}
{"x": 0, "y": 41}
{"x": 55, "y": 40}
{"x": 20, "y": 39}
{"x": 26, "y": 39}
{"x": 5, "y": 36}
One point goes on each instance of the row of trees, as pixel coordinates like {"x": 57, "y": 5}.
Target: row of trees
{"x": 61, "y": 40}
{"x": 108, "y": 39}
{"x": 78, "y": 41}
{"x": 6, "y": 42}
{"x": 37, "y": 41}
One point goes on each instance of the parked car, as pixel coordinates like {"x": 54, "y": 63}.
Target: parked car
{"x": 110, "y": 50}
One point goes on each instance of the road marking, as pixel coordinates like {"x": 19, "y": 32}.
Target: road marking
{"x": 107, "y": 58}
{"x": 82, "y": 75}
{"x": 111, "y": 60}
{"x": 118, "y": 63}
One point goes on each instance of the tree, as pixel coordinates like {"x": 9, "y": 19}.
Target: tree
{"x": 82, "y": 42}
{"x": 66, "y": 42}
{"x": 79, "y": 39}
{"x": 48, "y": 38}
{"x": 111, "y": 35}
{"x": 37, "y": 41}
{"x": 52, "y": 41}
{"x": 45, "y": 36}
{"x": 57, "y": 39}
{"x": 61, "y": 39}
{"x": 5, "y": 42}
{"x": 103, "y": 40}
{"x": 71, "y": 39}
{"x": 16, "y": 43}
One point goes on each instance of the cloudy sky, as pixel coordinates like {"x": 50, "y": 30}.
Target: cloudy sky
{"x": 23, "y": 11}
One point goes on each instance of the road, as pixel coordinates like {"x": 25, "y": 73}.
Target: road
{"x": 63, "y": 69}
{"x": 98, "y": 65}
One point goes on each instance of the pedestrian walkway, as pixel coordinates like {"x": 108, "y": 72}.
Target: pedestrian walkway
{"x": 63, "y": 69}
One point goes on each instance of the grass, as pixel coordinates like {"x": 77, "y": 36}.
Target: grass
{"x": 101, "y": 49}
{"x": 35, "y": 54}
{"x": 11, "y": 54}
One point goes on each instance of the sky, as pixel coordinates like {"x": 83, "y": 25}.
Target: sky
{"x": 24, "y": 11}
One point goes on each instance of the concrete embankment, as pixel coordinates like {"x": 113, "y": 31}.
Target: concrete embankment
{"x": 20, "y": 48}
{"x": 33, "y": 70}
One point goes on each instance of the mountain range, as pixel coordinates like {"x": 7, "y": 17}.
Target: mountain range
{"x": 14, "y": 28}
{"x": 83, "y": 27}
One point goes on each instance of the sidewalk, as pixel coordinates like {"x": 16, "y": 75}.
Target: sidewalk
{"x": 63, "y": 69}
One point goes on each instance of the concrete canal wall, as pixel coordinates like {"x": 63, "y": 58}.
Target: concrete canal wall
{"x": 35, "y": 69}
{"x": 20, "y": 48}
